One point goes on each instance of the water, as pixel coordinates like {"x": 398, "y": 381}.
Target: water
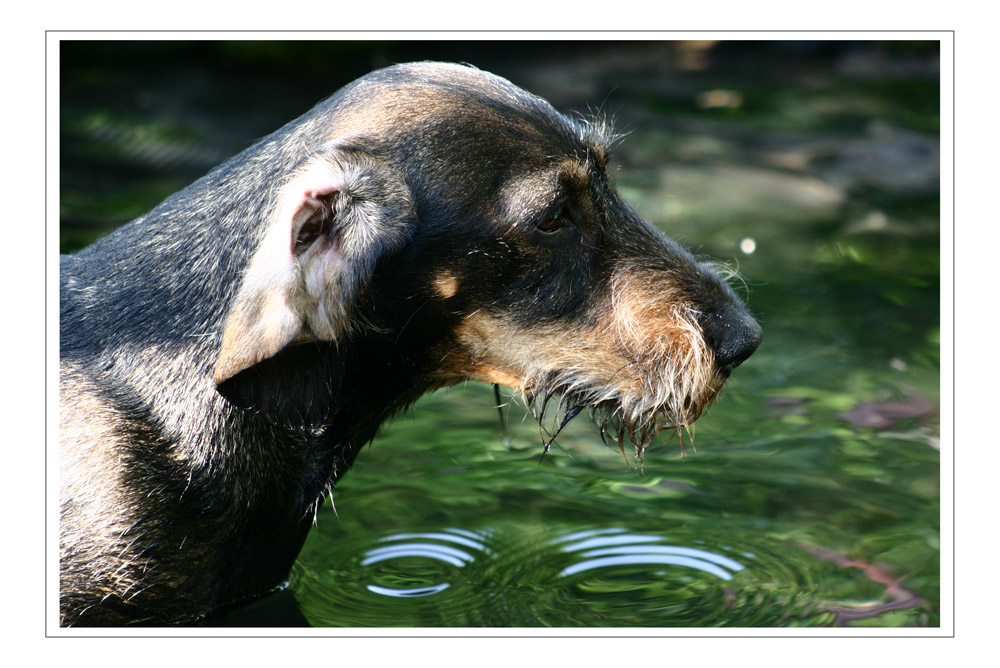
{"x": 811, "y": 495}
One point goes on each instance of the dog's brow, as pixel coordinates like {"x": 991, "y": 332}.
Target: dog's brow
{"x": 574, "y": 175}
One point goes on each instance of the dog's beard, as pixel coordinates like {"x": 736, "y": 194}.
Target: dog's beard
{"x": 641, "y": 364}
{"x": 673, "y": 395}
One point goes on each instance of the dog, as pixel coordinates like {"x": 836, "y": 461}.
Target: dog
{"x": 225, "y": 356}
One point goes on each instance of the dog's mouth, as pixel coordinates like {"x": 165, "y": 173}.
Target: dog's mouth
{"x": 645, "y": 371}
{"x": 623, "y": 419}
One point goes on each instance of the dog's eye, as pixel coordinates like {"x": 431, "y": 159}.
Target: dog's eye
{"x": 554, "y": 221}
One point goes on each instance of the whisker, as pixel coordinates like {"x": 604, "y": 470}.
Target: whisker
{"x": 572, "y": 413}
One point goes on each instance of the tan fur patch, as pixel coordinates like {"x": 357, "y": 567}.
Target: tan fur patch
{"x": 445, "y": 285}
{"x": 495, "y": 351}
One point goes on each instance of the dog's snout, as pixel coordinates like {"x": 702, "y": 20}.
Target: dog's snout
{"x": 733, "y": 335}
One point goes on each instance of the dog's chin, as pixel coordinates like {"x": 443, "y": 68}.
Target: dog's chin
{"x": 623, "y": 416}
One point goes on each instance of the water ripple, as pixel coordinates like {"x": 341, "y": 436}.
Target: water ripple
{"x": 417, "y": 553}
{"x": 616, "y": 547}
{"x": 522, "y": 575}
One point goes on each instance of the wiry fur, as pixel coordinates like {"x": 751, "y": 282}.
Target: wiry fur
{"x": 226, "y": 356}
{"x": 642, "y": 367}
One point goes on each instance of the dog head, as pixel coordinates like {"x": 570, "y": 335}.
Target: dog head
{"x": 452, "y": 226}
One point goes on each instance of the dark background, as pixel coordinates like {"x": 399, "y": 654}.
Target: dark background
{"x": 140, "y": 120}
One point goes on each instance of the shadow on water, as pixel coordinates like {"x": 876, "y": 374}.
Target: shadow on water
{"x": 812, "y": 498}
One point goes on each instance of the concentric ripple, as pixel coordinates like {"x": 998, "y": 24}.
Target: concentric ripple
{"x": 540, "y": 575}
{"x": 415, "y": 554}
{"x": 602, "y": 548}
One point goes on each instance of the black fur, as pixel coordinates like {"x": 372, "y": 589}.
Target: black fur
{"x": 182, "y": 494}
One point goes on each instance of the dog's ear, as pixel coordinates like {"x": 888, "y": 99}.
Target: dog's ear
{"x": 343, "y": 212}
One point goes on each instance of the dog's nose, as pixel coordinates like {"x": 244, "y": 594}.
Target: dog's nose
{"x": 732, "y": 334}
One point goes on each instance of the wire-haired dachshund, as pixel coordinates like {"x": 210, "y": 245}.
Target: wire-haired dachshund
{"x": 225, "y": 356}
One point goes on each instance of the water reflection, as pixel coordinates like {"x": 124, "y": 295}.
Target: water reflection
{"x": 404, "y": 593}
{"x": 421, "y": 560}
{"x": 426, "y": 548}
{"x": 603, "y": 548}
{"x": 562, "y": 575}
